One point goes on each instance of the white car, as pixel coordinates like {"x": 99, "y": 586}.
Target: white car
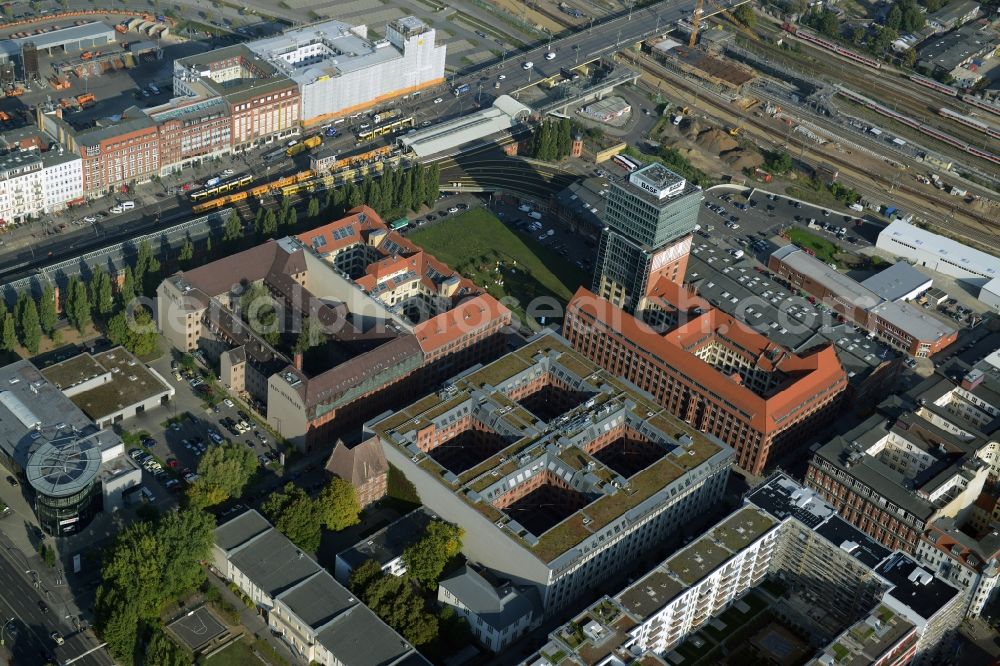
{"x": 228, "y": 402}
{"x": 114, "y": 210}
{"x": 438, "y": 100}
{"x": 453, "y": 210}
{"x": 128, "y": 205}
{"x": 228, "y": 172}
{"x": 551, "y": 55}
{"x": 528, "y": 65}
{"x": 90, "y": 218}
{"x": 501, "y": 77}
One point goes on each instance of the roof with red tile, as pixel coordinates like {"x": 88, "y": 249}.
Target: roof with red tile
{"x": 809, "y": 375}
{"x": 469, "y": 315}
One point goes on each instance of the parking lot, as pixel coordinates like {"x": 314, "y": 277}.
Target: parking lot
{"x": 175, "y": 437}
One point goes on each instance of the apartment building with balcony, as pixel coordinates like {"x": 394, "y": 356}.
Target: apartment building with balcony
{"x": 35, "y": 182}
{"x": 784, "y": 532}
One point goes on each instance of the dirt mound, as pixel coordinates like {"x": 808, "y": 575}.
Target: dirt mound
{"x": 742, "y": 158}
{"x": 690, "y": 128}
{"x": 716, "y": 141}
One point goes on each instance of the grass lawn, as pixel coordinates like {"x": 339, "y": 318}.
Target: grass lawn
{"x": 237, "y": 653}
{"x": 473, "y": 242}
{"x": 824, "y": 249}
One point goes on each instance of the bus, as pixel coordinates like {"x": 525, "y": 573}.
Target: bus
{"x": 626, "y": 163}
{"x": 399, "y": 224}
{"x": 462, "y": 89}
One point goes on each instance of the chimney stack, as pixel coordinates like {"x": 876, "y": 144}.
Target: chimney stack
{"x": 297, "y": 361}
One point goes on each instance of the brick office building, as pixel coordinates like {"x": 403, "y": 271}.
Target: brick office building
{"x": 123, "y": 153}
{"x": 710, "y": 370}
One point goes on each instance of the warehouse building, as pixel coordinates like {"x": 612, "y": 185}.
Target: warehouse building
{"x": 869, "y": 604}
{"x": 556, "y": 469}
{"x": 72, "y": 39}
{"x": 899, "y": 282}
{"x": 110, "y": 387}
{"x": 901, "y": 325}
{"x": 340, "y": 71}
{"x": 74, "y": 468}
{"x": 941, "y": 254}
{"x": 949, "y": 52}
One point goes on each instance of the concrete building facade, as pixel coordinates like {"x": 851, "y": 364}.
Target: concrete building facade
{"x": 783, "y": 532}
{"x": 554, "y": 468}
{"x": 648, "y": 224}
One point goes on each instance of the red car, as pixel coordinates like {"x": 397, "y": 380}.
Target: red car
{"x": 172, "y": 463}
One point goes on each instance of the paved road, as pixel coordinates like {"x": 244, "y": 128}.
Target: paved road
{"x": 19, "y": 600}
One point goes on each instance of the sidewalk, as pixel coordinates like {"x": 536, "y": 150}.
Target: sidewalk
{"x": 252, "y": 621}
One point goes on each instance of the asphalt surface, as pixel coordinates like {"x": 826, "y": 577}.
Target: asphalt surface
{"x": 32, "y": 643}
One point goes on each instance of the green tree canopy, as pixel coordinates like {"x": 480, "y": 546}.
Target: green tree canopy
{"x": 8, "y": 334}
{"x": 161, "y": 651}
{"x": 136, "y": 333}
{"x": 29, "y": 328}
{"x": 394, "y": 599}
{"x": 232, "y": 229}
{"x": 223, "y": 472}
{"x": 337, "y": 505}
{"x": 77, "y": 304}
{"x": 47, "y": 316}
{"x": 295, "y": 515}
{"x": 426, "y": 558}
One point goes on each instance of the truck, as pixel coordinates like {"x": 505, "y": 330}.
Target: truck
{"x": 212, "y": 182}
{"x": 857, "y": 207}
{"x": 303, "y": 146}
{"x": 889, "y": 211}
{"x": 462, "y": 89}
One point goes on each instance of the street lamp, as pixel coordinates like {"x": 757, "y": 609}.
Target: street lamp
{"x": 3, "y": 629}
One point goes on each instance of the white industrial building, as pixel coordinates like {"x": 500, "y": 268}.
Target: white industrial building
{"x": 990, "y": 293}
{"x": 339, "y": 70}
{"x": 899, "y": 282}
{"x": 32, "y": 183}
{"x": 939, "y": 253}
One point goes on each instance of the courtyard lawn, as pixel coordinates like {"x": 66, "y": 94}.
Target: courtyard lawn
{"x": 824, "y": 249}
{"x": 474, "y": 242}
{"x": 236, "y": 653}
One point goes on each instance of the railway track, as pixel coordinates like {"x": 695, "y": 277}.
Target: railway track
{"x": 924, "y": 103}
{"x": 844, "y": 164}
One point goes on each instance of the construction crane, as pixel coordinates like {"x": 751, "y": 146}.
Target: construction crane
{"x": 699, "y": 9}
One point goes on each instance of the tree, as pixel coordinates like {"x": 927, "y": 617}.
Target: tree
{"x": 147, "y": 268}
{"x": 294, "y": 514}
{"x": 258, "y": 221}
{"x": 186, "y": 253}
{"x": 313, "y": 209}
{"x": 232, "y": 229}
{"x": 136, "y": 333}
{"x": 432, "y": 184}
{"x": 47, "y": 316}
{"x": 745, "y": 15}
{"x": 337, "y": 505}
{"x": 426, "y": 558}
{"x": 363, "y": 576}
{"x": 101, "y": 295}
{"x": 161, "y": 651}
{"x": 8, "y": 334}
{"x": 28, "y": 326}
{"x": 127, "y": 291}
{"x": 187, "y": 537}
{"x": 292, "y": 218}
{"x": 223, "y": 472}
{"x": 910, "y": 57}
{"x": 777, "y": 162}
{"x": 894, "y": 18}
{"x": 310, "y": 336}
{"x": 269, "y": 225}
{"x": 394, "y": 600}
{"x": 352, "y": 195}
{"x": 119, "y": 624}
{"x": 565, "y": 138}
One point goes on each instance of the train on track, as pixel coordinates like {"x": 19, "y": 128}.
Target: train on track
{"x": 982, "y": 104}
{"x": 221, "y": 187}
{"x": 936, "y": 85}
{"x": 919, "y": 126}
{"x": 970, "y": 122}
{"x": 831, "y": 46}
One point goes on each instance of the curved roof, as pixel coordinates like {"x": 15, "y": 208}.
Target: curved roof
{"x": 63, "y": 467}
